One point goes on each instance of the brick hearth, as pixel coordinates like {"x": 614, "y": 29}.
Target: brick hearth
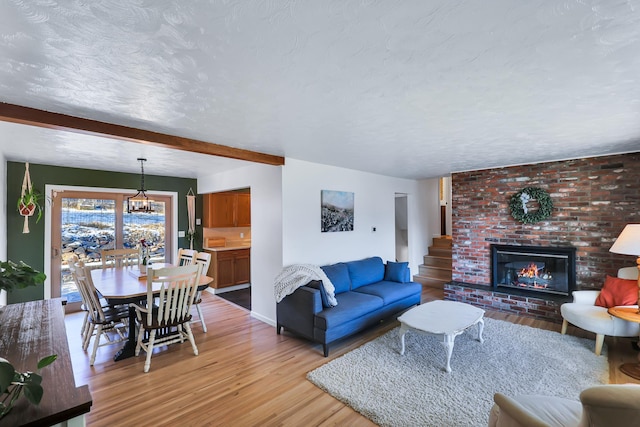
{"x": 543, "y": 307}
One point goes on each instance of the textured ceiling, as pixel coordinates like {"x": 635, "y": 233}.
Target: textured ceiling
{"x": 411, "y": 89}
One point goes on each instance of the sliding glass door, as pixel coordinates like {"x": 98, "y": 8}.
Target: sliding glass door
{"x": 85, "y": 223}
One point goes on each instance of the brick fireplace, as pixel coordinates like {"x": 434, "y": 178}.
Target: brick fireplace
{"x": 593, "y": 199}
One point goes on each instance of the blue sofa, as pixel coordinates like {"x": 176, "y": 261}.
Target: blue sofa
{"x": 367, "y": 292}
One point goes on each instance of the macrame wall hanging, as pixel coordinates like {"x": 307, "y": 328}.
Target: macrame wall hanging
{"x": 28, "y": 203}
{"x": 191, "y": 212}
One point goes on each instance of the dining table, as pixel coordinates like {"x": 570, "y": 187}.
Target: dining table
{"x": 126, "y": 285}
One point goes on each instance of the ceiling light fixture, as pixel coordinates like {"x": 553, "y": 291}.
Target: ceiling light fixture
{"x": 140, "y": 202}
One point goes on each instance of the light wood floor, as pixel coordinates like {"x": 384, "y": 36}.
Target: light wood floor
{"x": 245, "y": 374}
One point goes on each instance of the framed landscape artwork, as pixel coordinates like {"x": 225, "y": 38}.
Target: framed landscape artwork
{"x": 337, "y": 211}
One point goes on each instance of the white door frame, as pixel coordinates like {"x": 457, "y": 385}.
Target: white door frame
{"x": 49, "y": 189}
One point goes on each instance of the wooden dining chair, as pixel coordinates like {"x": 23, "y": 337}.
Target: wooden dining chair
{"x": 203, "y": 258}
{"x": 186, "y": 256}
{"x": 167, "y": 320}
{"x": 73, "y": 263}
{"x": 103, "y": 321}
{"x": 119, "y": 257}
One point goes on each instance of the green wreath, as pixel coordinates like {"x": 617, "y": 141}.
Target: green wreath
{"x": 518, "y": 205}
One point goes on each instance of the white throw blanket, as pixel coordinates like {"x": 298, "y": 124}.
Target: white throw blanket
{"x": 293, "y": 276}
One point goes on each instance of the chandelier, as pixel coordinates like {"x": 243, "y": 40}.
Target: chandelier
{"x": 140, "y": 202}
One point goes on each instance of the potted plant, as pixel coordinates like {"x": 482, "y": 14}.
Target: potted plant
{"x": 29, "y": 203}
{"x": 13, "y": 383}
{"x": 19, "y": 276}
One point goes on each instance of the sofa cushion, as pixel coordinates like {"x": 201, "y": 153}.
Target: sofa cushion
{"x": 616, "y": 291}
{"x": 351, "y": 305}
{"x": 391, "y": 292}
{"x": 339, "y": 276}
{"x": 397, "y": 272}
{"x": 365, "y": 271}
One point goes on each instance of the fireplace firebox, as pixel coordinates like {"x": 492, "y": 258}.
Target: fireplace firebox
{"x": 533, "y": 269}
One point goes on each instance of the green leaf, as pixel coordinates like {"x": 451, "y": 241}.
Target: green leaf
{"x": 33, "y": 393}
{"x": 19, "y": 276}
{"x": 33, "y": 379}
{"x": 6, "y": 375}
{"x": 46, "y": 361}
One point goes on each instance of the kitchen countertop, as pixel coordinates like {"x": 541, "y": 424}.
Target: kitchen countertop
{"x": 227, "y": 248}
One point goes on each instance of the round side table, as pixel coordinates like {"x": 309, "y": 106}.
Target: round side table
{"x": 629, "y": 314}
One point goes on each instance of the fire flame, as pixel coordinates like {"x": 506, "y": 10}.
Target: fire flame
{"x": 529, "y": 271}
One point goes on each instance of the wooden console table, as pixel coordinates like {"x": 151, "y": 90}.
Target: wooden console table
{"x": 28, "y": 332}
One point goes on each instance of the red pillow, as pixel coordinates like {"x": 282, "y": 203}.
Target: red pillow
{"x": 618, "y": 291}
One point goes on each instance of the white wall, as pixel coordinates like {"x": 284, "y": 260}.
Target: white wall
{"x": 374, "y": 205}
{"x": 266, "y": 228}
{"x": 3, "y": 218}
{"x": 285, "y": 219}
{"x": 430, "y": 208}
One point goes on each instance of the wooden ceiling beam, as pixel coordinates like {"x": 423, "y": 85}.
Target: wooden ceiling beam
{"x": 46, "y": 119}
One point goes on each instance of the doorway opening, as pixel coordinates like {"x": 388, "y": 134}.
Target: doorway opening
{"x": 402, "y": 228}
{"x": 227, "y": 236}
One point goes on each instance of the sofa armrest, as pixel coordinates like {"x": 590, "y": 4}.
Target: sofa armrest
{"x": 510, "y": 412}
{"x": 297, "y": 311}
{"x": 585, "y": 297}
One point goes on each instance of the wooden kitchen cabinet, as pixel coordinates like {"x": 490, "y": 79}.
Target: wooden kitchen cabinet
{"x": 243, "y": 210}
{"x": 230, "y": 268}
{"x": 229, "y": 209}
{"x": 242, "y": 266}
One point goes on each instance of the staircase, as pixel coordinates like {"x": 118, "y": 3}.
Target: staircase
{"x": 436, "y": 270}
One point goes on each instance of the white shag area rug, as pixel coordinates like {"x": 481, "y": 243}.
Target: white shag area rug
{"x": 414, "y": 389}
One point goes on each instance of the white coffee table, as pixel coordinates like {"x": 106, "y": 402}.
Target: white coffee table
{"x": 446, "y": 318}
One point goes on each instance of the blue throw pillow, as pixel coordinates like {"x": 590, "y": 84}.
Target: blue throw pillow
{"x": 339, "y": 276}
{"x": 365, "y": 271}
{"x": 396, "y": 271}
{"x": 317, "y": 284}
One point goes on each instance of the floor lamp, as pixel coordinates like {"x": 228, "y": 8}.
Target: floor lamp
{"x": 628, "y": 243}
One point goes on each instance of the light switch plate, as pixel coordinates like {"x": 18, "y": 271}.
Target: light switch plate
{"x": 181, "y": 233}
{"x": 198, "y": 221}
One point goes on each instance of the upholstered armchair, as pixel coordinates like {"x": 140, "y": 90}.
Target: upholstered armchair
{"x": 609, "y": 405}
{"x": 583, "y": 313}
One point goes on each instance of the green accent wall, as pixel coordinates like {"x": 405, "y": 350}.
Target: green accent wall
{"x": 30, "y": 247}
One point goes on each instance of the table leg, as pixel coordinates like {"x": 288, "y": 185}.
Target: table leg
{"x": 402, "y": 332}
{"x": 480, "y": 329}
{"x": 129, "y": 349}
{"x": 448, "y": 347}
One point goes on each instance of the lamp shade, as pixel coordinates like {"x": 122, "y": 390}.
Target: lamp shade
{"x": 628, "y": 242}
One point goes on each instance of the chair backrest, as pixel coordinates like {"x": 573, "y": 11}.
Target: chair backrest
{"x": 186, "y": 256}
{"x": 71, "y": 262}
{"x": 611, "y": 405}
{"x": 119, "y": 257}
{"x": 178, "y": 287}
{"x": 204, "y": 258}
{"x": 88, "y": 292}
{"x": 630, "y": 273}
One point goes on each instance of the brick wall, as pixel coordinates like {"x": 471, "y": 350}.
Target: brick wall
{"x": 593, "y": 198}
